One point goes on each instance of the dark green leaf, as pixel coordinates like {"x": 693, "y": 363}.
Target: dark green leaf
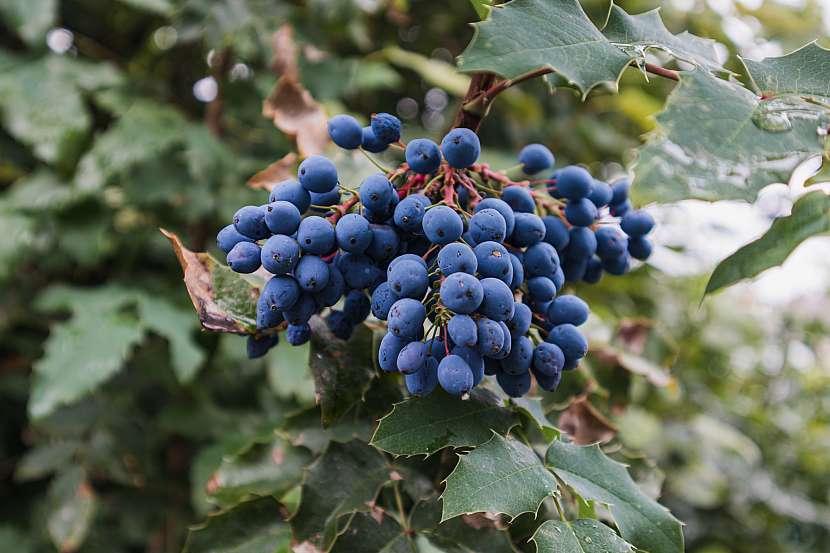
{"x": 578, "y": 536}
{"x": 177, "y": 327}
{"x": 29, "y": 18}
{"x": 45, "y": 459}
{"x": 482, "y": 7}
{"x": 525, "y": 35}
{"x": 345, "y": 480}
{"x": 717, "y": 141}
{"x": 72, "y": 505}
{"x": 489, "y": 479}
{"x": 342, "y": 370}
{"x": 253, "y": 527}
{"x": 532, "y": 409}
{"x": 304, "y": 430}
{"x": 642, "y": 521}
{"x": 810, "y": 216}
{"x": 424, "y": 425}
{"x": 379, "y": 533}
{"x": 475, "y": 534}
{"x": 805, "y": 71}
{"x": 288, "y": 372}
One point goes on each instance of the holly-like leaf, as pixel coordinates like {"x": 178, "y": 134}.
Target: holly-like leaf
{"x": 304, "y": 429}
{"x": 345, "y": 480}
{"x": 342, "y": 370}
{"x": 30, "y": 19}
{"x": 805, "y": 71}
{"x": 224, "y": 300}
{"x": 270, "y": 468}
{"x": 288, "y": 374}
{"x": 464, "y": 534}
{"x": 424, "y": 425}
{"x": 378, "y": 532}
{"x": 637, "y": 33}
{"x": 717, "y": 140}
{"x": 524, "y": 35}
{"x": 502, "y": 475}
{"x": 72, "y": 507}
{"x": 252, "y": 527}
{"x": 45, "y": 459}
{"x": 642, "y": 521}
{"x": 578, "y": 536}
{"x": 810, "y": 217}
{"x": 176, "y": 325}
{"x": 531, "y": 408}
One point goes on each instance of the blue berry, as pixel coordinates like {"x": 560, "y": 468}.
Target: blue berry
{"x": 407, "y": 279}
{"x": 521, "y": 354}
{"x": 267, "y": 315}
{"x": 462, "y": 293}
{"x": 548, "y": 359}
{"x": 582, "y": 244}
{"x": 424, "y": 381}
{"x": 281, "y": 292}
{"x": 620, "y": 210}
{"x": 326, "y": 199}
{"x": 302, "y": 310}
{"x": 593, "y": 270}
{"x": 462, "y": 330}
{"x": 616, "y": 266}
{"x": 574, "y": 268}
{"x": 529, "y": 230}
{"x": 572, "y": 343}
{"x": 610, "y": 242}
{"x": 619, "y": 192}
{"x": 581, "y": 212}
{"x": 382, "y": 300}
{"x": 386, "y": 127}
{"x": 455, "y": 375}
{"x": 408, "y": 257}
{"x": 353, "y": 233}
{"x": 250, "y": 221}
{"x": 376, "y": 192}
{"x": 519, "y": 199}
{"x": 640, "y": 248}
{"x": 493, "y": 261}
{"x": 535, "y": 158}
{"x": 356, "y": 307}
{"x": 423, "y": 155}
{"x": 259, "y": 345}
{"x": 390, "y": 348}
{"x": 568, "y": 309}
{"x": 541, "y": 260}
{"x": 558, "y": 278}
{"x": 339, "y": 325}
{"x": 384, "y": 244}
{"x": 507, "y": 344}
{"x": 461, "y": 148}
{"x": 503, "y": 208}
{"x": 345, "y": 131}
{"x": 280, "y": 254}
{"x": 406, "y": 318}
{"x": 229, "y": 237}
{"x": 519, "y": 323}
{"x": 546, "y": 382}
{"x": 372, "y": 143}
{"x": 318, "y": 174}
{"x": 556, "y": 232}
{"x": 244, "y": 257}
{"x": 410, "y": 212}
{"x": 601, "y": 193}
{"x": 490, "y": 337}
{"x": 514, "y": 385}
{"x": 316, "y": 235}
{"x": 573, "y": 182}
{"x": 282, "y": 217}
{"x": 442, "y": 225}
{"x": 518, "y": 272}
{"x": 488, "y": 225}
{"x": 637, "y": 223}
{"x": 358, "y": 270}
{"x": 457, "y": 258}
{"x": 293, "y": 192}
{"x": 473, "y": 360}
{"x": 498, "y": 303}
{"x": 412, "y": 357}
{"x": 541, "y": 288}
{"x": 331, "y": 292}
{"x": 297, "y": 335}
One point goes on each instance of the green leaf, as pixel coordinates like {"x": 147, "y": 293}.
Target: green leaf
{"x": 252, "y": 527}
{"x": 482, "y": 7}
{"x": 264, "y": 469}
{"x": 367, "y": 533}
{"x": 45, "y": 459}
{"x": 457, "y": 535}
{"x": 805, "y": 71}
{"x": 434, "y": 71}
{"x": 578, "y": 536}
{"x": 641, "y": 520}
{"x": 525, "y": 35}
{"x": 160, "y": 7}
{"x": 424, "y": 425}
{"x": 224, "y": 300}
{"x": 810, "y": 217}
{"x": 72, "y": 505}
{"x": 177, "y": 327}
{"x": 304, "y": 430}
{"x": 30, "y": 19}
{"x": 635, "y": 34}
{"x": 19, "y": 235}
{"x": 12, "y": 539}
{"x": 532, "y": 409}
{"x": 288, "y": 374}
{"x": 715, "y": 142}
{"x": 345, "y": 480}
{"x": 489, "y": 479}
{"x": 342, "y": 370}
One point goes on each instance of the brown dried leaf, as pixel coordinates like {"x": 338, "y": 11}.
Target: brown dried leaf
{"x": 282, "y": 169}
{"x": 224, "y": 300}
{"x": 284, "y": 58}
{"x": 585, "y": 424}
{"x": 656, "y": 375}
{"x": 634, "y": 333}
{"x": 298, "y": 115}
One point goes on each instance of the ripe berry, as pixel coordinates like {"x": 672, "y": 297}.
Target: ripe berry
{"x": 229, "y": 237}
{"x": 318, "y": 174}
{"x": 423, "y": 155}
{"x": 442, "y": 225}
{"x": 244, "y": 257}
{"x": 386, "y": 127}
{"x": 345, "y": 131}
{"x": 461, "y": 148}
{"x": 535, "y": 158}
{"x": 573, "y": 182}
{"x": 455, "y": 375}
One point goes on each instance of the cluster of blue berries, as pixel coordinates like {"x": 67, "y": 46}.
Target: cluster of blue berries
{"x": 465, "y": 265}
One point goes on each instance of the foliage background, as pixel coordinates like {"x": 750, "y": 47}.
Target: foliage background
{"x": 115, "y": 407}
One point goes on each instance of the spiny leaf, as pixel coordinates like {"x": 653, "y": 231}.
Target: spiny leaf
{"x": 805, "y": 71}
{"x": 578, "y": 536}
{"x": 532, "y": 409}
{"x": 428, "y": 424}
{"x": 637, "y": 33}
{"x": 810, "y": 217}
{"x": 252, "y": 527}
{"x": 502, "y": 475}
{"x": 224, "y": 300}
{"x": 368, "y": 532}
{"x": 525, "y": 35}
{"x": 345, "y": 480}
{"x": 464, "y": 534}
{"x": 717, "y": 140}
{"x": 72, "y": 507}
{"x": 641, "y": 520}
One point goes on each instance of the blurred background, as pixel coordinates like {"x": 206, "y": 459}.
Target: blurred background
{"x": 120, "y": 117}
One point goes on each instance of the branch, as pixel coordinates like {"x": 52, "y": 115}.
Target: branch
{"x": 213, "y": 112}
